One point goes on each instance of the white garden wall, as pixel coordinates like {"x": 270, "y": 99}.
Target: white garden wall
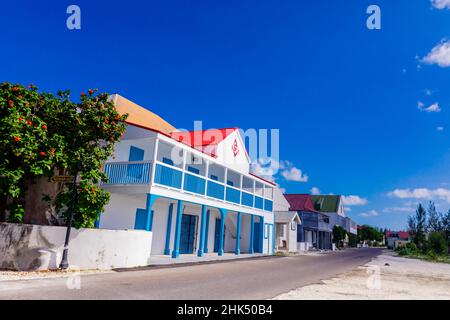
{"x": 34, "y": 247}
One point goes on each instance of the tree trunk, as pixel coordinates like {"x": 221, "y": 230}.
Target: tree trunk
{"x": 3, "y": 203}
{"x": 38, "y": 210}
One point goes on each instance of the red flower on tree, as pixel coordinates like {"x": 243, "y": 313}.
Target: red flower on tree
{"x": 15, "y": 88}
{"x": 91, "y": 91}
{"x": 44, "y": 127}
{"x": 42, "y": 153}
{"x": 17, "y": 139}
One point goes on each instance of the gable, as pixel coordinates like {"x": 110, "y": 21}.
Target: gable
{"x": 232, "y": 152}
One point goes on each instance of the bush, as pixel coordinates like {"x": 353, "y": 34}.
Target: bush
{"x": 411, "y": 246}
{"x": 436, "y": 243}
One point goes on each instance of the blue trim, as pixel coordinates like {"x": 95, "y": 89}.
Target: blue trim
{"x": 202, "y": 232}
{"x": 193, "y": 170}
{"x": 167, "y": 161}
{"x": 97, "y": 222}
{"x": 208, "y": 215}
{"x": 168, "y": 230}
{"x": 252, "y": 231}
{"x": 140, "y": 220}
{"x": 261, "y": 238}
{"x": 176, "y": 242}
{"x": 151, "y": 198}
{"x": 136, "y": 154}
{"x": 223, "y": 214}
{"x": 238, "y": 234}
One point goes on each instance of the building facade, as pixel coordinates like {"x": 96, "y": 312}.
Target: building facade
{"x": 192, "y": 191}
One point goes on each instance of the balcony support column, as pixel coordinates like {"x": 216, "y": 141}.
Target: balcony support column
{"x": 176, "y": 241}
{"x": 237, "y": 250}
{"x": 252, "y": 231}
{"x": 202, "y": 232}
{"x": 168, "y": 230}
{"x": 205, "y": 248}
{"x": 151, "y": 198}
{"x": 223, "y": 215}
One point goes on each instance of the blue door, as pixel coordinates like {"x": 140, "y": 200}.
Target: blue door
{"x": 217, "y": 235}
{"x": 257, "y": 237}
{"x": 135, "y": 171}
{"x": 187, "y": 237}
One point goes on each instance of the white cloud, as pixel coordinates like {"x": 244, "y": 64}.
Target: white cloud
{"x": 294, "y": 174}
{"x": 440, "y": 128}
{"x": 441, "y": 4}
{"x": 315, "y": 190}
{"x": 421, "y": 193}
{"x": 348, "y": 209}
{"x": 371, "y": 213}
{"x": 268, "y": 168}
{"x": 432, "y": 108}
{"x": 429, "y": 92}
{"x": 439, "y": 55}
{"x": 352, "y": 200}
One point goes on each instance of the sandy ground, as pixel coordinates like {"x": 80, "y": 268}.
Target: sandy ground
{"x": 385, "y": 277}
{"x": 31, "y": 275}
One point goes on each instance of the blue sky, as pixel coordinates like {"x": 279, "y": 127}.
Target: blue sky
{"x": 352, "y": 104}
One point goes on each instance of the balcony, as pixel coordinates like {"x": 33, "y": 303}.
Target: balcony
{"x": 130, "y": 172}
{"x": 194, "y": 175}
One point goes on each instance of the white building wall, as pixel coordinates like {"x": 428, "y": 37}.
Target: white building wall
{"x": 120, "y": 212}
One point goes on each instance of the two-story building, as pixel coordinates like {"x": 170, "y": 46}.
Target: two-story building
{"x": 192, "y": 190}
{"x": 314, "y": 232}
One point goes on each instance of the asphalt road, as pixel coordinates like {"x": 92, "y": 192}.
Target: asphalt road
{"x": 259, "y": 278}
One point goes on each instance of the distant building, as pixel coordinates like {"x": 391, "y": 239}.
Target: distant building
{"x": 395, "y": 239}
{"x": 314, "y": 230}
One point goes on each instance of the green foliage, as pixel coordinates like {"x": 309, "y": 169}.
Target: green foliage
{"x": 436, "y": 243}
{"x": 352, "y": 240}
{"x": 339, "y": 234}
{"x": 435, "y": 222}
{"x": 40, "y": 132}
{"x": 369, "y": 233}
{"x": 417, "y": 226}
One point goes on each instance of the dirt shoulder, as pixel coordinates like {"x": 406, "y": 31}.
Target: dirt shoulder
{"x": 386, "y": 277}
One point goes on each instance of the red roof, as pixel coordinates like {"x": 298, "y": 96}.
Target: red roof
{"x": 401, "y": 234}
{"x": 300, "y": 202}
{"x": 202, "y": 138}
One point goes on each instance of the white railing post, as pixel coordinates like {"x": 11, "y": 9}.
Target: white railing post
{"x": 206, "y": 177}
{"x": 183, "y": 168}
{"x": 153, "y": 165}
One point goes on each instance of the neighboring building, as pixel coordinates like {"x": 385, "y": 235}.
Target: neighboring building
{"x": 314, "y": 230}
{"x": 192, "y": 190}
{"x": 396, "y": 238}
{"x": 286, "y": 224}
{"x": 333, "y": 207}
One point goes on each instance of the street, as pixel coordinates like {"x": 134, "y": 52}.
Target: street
{"x": 260, "y": 278}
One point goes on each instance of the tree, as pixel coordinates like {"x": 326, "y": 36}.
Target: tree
{"x": 42, "y": 135}
{"x": 446, "y": 226}
{"x": 339, "y": 234}
{"x": 416, "y": 226}
{"x": 434, "y": 219}
{"x": 437, "y": 243}
{"x": 369, "y": 233}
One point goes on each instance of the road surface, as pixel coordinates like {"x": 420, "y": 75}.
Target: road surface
{"x": 260, "y": 278}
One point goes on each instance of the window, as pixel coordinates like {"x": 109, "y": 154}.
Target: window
{"x": 293, "y": 225}
{"x": 167, "y": 161}
{"x": 230, "y": 183}
{"x": 266, "y": 231}
{"x": 213, "y": 177}
{"x": 193, "y": 170}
